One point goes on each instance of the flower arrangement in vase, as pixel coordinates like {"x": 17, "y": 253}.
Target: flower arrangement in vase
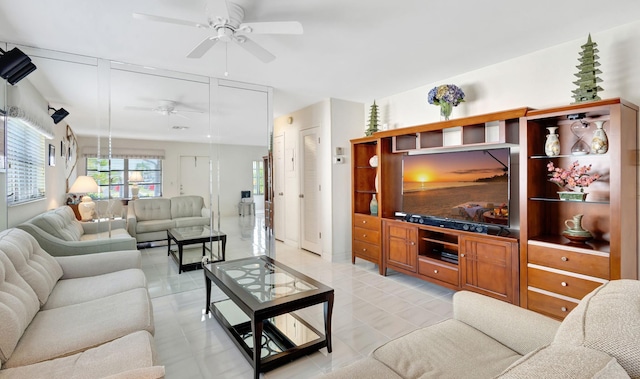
{"x": 572, "y": 181}
{"x": 446, "y": 96}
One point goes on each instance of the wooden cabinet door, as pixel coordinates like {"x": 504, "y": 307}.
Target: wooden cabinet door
{"x": 401, "y": 247}
{"x": 490, "y": 267}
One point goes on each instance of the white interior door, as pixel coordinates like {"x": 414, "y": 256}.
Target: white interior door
{"x": 278, "y": 188}
{"x": 194, "y": 177}
{"x": 310, "y": 194}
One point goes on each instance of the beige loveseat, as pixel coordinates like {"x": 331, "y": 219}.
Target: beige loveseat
{"x": 59, "y": 233}
{"x": 149, "y": 219}
{"x": 84, "y": 316}
{"x": 487, "y": 338}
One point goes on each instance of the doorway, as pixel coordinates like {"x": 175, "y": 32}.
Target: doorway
{"x": 194, "y": 177}
{"x": 310, "y": 194}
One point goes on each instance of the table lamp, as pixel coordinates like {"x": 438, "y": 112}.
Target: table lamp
{"x": 134, "y": 178}
{"x": 85, "y": 185}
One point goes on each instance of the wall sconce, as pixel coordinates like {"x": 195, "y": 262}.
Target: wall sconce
{"x": 15, "y": 65}
{"x": 58, "y": 114}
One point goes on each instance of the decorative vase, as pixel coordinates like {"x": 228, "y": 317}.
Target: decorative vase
{"x": 599, "y": 142}
{"x": 552, "y": 144}
{"x": 373, "y": 206}
{"x": 572, "y": 196}
{"x": 445, "y": 110}
{"x": 575, "y": 232}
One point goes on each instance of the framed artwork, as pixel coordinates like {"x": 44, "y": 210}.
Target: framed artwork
{"x": 52, "y": 155}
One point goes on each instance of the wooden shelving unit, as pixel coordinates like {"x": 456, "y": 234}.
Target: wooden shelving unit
{"x": 487, "y": 263}
{"x": 555, "y": 273}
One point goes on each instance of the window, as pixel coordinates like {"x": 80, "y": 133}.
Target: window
{"x": 258, "y": 177}
{"x": 110, "y": 175}
{"x": 26, "y": 159}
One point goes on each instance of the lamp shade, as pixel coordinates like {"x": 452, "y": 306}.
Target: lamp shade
{"x": 84, "y": 184}
{"x": 135, "y": 177}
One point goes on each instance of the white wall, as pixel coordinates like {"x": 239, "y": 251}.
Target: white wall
{"x": 538, "y": 80}
{"x": 235, "y": 164}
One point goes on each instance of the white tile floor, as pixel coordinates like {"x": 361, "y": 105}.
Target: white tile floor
{"x": 369, "y": 309}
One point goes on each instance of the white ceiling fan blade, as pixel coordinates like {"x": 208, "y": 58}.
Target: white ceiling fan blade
{"x": 255, "y": 49}
{"x": 277, "y": 27}
{"x": 150, "y": 17}
{"x": 203, "y": 47}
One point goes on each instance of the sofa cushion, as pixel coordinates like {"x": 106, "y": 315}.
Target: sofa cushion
{"x": 184, "y": 222}
{"x": 39, "y": 269}
{"x": 115, "y": 233}
{"x": 186, "y": 206}
{"x": 155, "y": 225}
{"x": 18, "y": 305}
{"x": 132, "y": 353}
{"x": 80, "y": 290}
{"x": 431, "y": 353}
{"x": 61, "y": 223}
{"x": 565, "y": 361}
{"x": 75, "y": 328}
{"x": 152, "y": 209}
{"x": 607, "y": 319}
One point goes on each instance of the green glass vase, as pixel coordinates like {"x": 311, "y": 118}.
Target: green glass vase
{"x": 445, "y": 110}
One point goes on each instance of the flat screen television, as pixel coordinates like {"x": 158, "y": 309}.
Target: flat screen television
{"x": 470, "y": 186}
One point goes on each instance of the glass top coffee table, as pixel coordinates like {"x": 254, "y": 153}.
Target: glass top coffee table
{"x": 192, "y": 235}
{"x": 263, "y": 294}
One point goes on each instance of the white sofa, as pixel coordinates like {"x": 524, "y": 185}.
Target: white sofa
{"x": 59, "y": 233}
{"x": 149, "y": 219}
{"x": 84, "y": 316}
{"x": 487, "y": 338}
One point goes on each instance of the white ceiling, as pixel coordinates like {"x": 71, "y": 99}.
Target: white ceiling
{"x": 356, "y": 50}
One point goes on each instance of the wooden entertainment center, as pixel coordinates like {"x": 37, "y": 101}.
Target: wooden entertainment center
{"x": 533, "y": 265}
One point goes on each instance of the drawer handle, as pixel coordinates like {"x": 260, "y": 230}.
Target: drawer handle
{"x": 564, "y": 309}
{"x": 435, "y": 271}
{"x": 365, "y": 249}
{"x": 364, "y": 221}
{"x": 564, "y": 284}
{"x": 364, "y": 236}
{"x": 413, "y": 243}
{"x": 564, "y": 259}
{"x": 462, "y": 255}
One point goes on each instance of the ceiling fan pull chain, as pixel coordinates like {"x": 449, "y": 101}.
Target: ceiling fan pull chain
{"x": 226, "y": 60}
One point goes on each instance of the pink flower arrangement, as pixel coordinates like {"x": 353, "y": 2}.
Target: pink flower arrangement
{"x": 574, "y": 176}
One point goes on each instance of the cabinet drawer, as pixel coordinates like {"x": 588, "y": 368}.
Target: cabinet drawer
{"x": 438, "y": 271}
{"x": 562, "y": 284}
{"x": 366, "y": 222}
{"x": 587, "y": 264}
{"x": 549, "y": 305}
{"x": 366, "y": 235}
{"x": 366, "y": 250}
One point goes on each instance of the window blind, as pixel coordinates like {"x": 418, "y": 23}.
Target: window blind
{"x": 26, "y": 160}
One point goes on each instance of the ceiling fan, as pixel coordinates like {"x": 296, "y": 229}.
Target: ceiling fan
{"x": 166, "y": 108}
{"x": 228, "y": 26}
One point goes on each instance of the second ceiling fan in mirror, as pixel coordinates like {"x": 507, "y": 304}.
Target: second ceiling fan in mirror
{"x": 226, "y": 19}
